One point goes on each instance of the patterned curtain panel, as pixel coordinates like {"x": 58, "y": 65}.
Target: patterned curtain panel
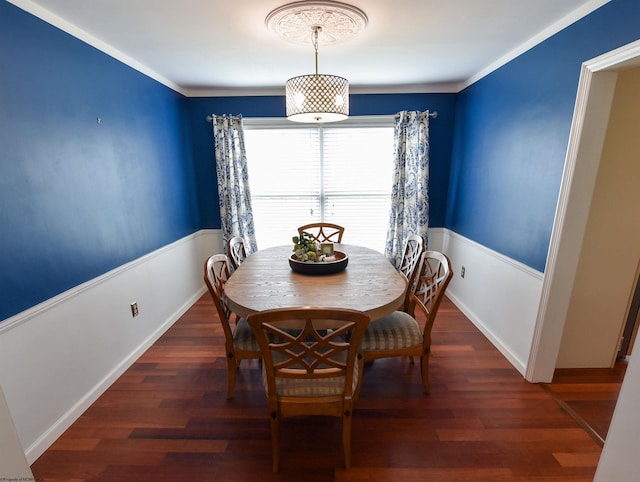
{"x": 409, "y": 195}
{"x": 233, "y": 180}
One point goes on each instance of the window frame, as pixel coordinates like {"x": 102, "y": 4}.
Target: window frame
{"x": 266, "y": 123}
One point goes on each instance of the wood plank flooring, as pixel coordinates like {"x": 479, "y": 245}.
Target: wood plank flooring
{"x": 589, "y": 395}
{"x": 167, "y": 418}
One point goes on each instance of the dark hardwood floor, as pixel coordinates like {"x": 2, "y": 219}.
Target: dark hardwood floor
{"x": 589, "y": 395}
{"x": 167, "y": 418}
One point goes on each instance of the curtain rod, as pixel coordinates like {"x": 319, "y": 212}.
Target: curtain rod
{"x": 431, "y": 114}
{"x": 210, "y": 117}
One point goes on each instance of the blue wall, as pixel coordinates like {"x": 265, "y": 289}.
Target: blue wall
{"x": 512, "y": 130}
{"x": 78, "y": 198}
{"x": 441, "y": 136}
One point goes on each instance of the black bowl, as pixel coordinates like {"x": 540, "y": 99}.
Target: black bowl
{"x": 321, "y": 267}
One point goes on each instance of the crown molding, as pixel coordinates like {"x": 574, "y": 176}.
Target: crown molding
{"x": 548, "y": 32}
{"x": 65, "y": 26}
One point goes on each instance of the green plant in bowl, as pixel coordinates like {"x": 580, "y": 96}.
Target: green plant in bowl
{"x": 305, "y": 247}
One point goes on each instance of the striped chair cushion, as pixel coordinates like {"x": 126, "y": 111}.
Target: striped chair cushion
{"x": 318, "y": 387}
{"x": 398, "y": 330}
{"x": 243, "y": 337}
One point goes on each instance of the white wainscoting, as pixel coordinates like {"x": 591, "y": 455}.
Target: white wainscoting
{"x": 499, "y": 295}
{"x": 58, "y": 357}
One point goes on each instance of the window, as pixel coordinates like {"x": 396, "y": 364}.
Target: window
{"x": 338, "y": 173}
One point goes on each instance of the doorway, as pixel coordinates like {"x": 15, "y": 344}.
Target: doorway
{"x": 589, "y": 128}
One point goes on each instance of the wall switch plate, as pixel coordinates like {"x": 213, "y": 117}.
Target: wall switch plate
{"x": 134, "y": 309}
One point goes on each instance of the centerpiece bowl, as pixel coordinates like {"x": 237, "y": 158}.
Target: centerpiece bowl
{"x": 320, "y": 267}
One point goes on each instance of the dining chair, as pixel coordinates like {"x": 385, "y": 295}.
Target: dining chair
{"x": 323, "y": 232}
{"x": 413, "y": 248}
{"x": 309, "y": 365}
{"x": 240, "y": 342}
{"x": 400, "y": 334}
{"x": 236, "y": 251}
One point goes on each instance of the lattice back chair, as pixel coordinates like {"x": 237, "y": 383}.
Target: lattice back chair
{"x": 309, "y": 365}
{"x": 240, "y": 342}
{"x": 236, "y": 251}
{"x": 323, "y": 232}
{"x": 413, "y": 249}
{"x": 399, "y": 334}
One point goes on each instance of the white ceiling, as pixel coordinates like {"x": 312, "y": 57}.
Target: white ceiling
{"x": 222, "y": 47}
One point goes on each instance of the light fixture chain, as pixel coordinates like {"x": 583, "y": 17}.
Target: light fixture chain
{"x": 316, "y": 29}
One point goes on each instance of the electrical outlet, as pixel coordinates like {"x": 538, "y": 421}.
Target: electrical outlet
{"x": 462, "y": 272}
{"x": 134, "y": 309}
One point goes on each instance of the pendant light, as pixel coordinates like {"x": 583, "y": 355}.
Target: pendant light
{"x": 315, "y": 98}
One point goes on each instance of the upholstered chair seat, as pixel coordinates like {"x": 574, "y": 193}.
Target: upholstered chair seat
{"x": 323, "y": 387}
{"x": 393, "y": 332}
{"x": 243, "y": 337}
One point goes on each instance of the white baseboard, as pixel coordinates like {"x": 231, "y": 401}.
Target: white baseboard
{"x": 58, "y": 357}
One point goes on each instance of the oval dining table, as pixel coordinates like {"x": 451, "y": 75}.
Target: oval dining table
{"x": 264, "y": 280}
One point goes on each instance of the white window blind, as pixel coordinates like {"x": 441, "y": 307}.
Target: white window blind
{"x": 340, "y": 174}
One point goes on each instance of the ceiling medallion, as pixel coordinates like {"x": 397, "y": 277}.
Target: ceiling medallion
{"x": 293, "y": 22}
